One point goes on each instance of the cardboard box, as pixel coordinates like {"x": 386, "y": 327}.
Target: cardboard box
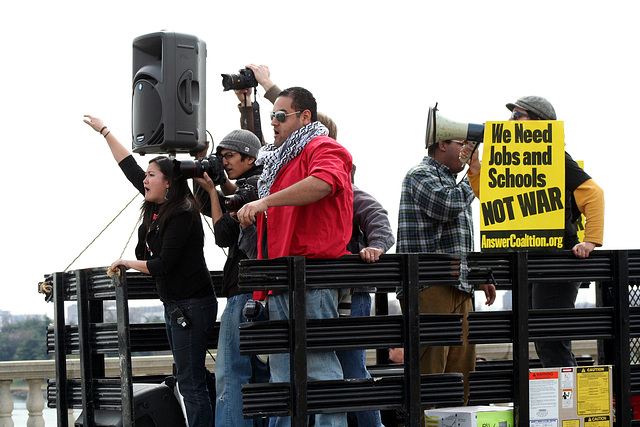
{"x": 571, "y": 397}
{"x": 470, "y": 416}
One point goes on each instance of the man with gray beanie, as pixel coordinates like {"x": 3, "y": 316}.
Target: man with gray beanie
{"x": 238, "y": 151}
{"x": 582, "y": 195}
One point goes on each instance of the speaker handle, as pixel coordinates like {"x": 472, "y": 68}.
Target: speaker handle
{"x": 185, "y": 82}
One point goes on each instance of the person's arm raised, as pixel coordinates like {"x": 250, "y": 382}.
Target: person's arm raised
{"x": 117, "y": 149}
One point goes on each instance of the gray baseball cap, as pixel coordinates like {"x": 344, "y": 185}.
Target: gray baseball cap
{"x": 536, "y": 105}
{"x": 242, "y": 141}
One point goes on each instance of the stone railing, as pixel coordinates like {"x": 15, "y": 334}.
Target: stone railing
{"x": 35, "y": 372}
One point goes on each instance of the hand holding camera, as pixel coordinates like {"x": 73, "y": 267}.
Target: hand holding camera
{"x": 246, "y": 192}
{"x": 262, "y": 75}
{"x": 206, "y": 183}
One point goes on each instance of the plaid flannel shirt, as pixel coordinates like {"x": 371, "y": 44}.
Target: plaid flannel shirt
{"x": 435, "y": 214}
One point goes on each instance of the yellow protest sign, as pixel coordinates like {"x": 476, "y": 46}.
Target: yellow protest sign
{"x": 522, "y": 186}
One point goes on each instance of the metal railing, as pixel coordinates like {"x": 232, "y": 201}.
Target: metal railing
{"x": 92, "y": 340}
{"x": 614, "y": 323}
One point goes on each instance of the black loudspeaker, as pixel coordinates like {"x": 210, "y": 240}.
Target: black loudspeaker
{"x": 155, "y": 405}
{"x": 169, "y": 103}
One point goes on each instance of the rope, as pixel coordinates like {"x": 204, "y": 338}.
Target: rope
{"x": 47, "y": 289}
{"x": 130, "y": 235}
{"x": 103, "y": 230}
{"x": 204, "y": 218}
{"x": 206, "y": 221}
{"x": 198, "y": 192}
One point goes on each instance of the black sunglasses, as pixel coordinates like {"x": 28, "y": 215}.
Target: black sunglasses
{"x": 515, "y": 115}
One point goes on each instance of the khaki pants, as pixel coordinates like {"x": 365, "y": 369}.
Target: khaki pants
{"x": 436, "y": 360}
{"x": 441, "y": 299}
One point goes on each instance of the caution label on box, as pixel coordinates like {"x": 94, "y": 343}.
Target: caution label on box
{"x": 593, "y": 392}
{"x": 597, "y": 421}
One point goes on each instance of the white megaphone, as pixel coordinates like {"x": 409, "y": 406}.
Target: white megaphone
{"x": 440, "y": 128}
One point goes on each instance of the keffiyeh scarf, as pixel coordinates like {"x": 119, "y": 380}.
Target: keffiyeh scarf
{"x": 274, "y": 158}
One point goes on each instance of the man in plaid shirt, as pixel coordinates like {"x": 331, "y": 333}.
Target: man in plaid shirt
{"x": 435, "y": 216}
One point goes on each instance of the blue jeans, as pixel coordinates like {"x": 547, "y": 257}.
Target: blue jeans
{"x": 321, "y": 366}
{"x": 354, "y": 362}
{"x": 232, "y": 369}
{"x": 189, "y": 348}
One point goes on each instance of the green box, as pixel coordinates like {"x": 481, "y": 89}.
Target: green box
{"x": 470, "y": 416}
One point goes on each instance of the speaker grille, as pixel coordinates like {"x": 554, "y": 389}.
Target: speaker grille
{"x": 157, "y": 138}
{"x": 147, "y": 124}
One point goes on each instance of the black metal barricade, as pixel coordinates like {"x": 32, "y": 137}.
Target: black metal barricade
{"x": 92, "y": 339}
{"x": 299, "y": 335}
{"x": 613, "y": 322}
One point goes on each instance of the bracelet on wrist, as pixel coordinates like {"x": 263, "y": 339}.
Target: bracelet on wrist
{"x": 108, "y": 132}
{"x": 102, "y": 130}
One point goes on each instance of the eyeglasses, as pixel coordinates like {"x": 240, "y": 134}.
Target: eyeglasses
{"x": 228, "y": 155}
{"x": 515, "y": 115}
{"x": 281, "y": 116}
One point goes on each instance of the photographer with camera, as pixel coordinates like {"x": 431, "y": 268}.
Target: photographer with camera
{"x": 170, "y": 248}
{"x": 238, "y": 151}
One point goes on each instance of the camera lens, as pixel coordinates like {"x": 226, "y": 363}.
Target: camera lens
{"x": 243, "y": 80}
{"x": 229, "y": 81}
{"x": 202, "y": 166}
{"x": 184, "y": 169}
{"x": 234, "y": 203}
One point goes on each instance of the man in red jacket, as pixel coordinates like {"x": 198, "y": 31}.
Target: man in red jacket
{"x": 305, "y": 209}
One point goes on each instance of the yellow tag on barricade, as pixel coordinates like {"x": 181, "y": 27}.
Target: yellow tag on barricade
{"x": 522, "y": 186}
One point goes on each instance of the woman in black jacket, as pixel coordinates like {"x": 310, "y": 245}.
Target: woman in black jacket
{"x": 170, "y": 248}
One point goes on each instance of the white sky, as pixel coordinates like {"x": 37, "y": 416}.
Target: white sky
{"x": 374, "y": 67}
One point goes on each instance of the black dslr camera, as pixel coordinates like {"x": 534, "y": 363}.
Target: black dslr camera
{"x": 255, "y": 311}
{"x": 246, "y": 192}
{"x": 243, "y": 80}
{"x": 212, "y": 165}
